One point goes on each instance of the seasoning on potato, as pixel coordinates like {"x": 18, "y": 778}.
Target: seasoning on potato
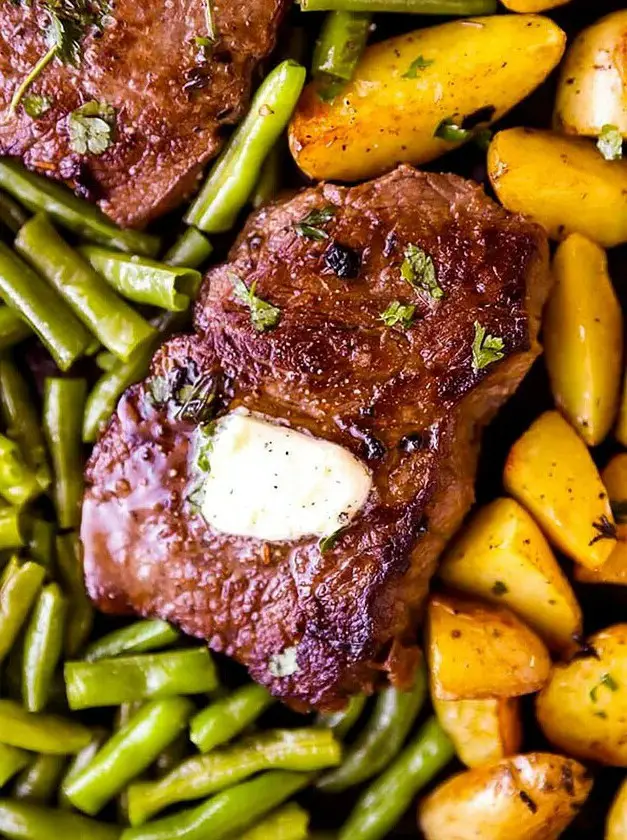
{"x": 482, "y": 731}
{"x": 592, "y": 90}
{"x": 584, "y": 194}
{"x": 471, "y": 73}
{"x": 582, "y": 710}
{"x": 477, "y": 650}
{"x": 583, "y": 338}
{"x": 550, "y": 471}
{"x": 503, "y": 556}
{"x": 527, "y": 797}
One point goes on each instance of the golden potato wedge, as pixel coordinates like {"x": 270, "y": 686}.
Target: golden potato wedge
{"x": 592, "y": 90}
{"x": 583, "y": 338}
{"x": 563, "y": 183}
{"x": 482, "y": 731}
{"x": 503, "y": 556}
{"x": 551, "y": 472}
{"x": 532, "y": 6}
{"x": 478, "y": 650}
{"x": 583, "y": 707}
{"x": 614, "y": 570}
{"x": 527, "y": 797}
{"x": 475, "y": 69}
{"x": 616, "y": 825}
{"x": 621, "y": 426}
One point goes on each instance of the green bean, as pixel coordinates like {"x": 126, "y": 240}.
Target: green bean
{"x": 18, "y": 591}
{"x": 269, "y": 180}
{"x": 22, "y": 421}
{"x": 24, "y": 821}
{"x": 393, "y": 717}
{"x": 11, "y": 527}
{"x": 232, "y": 179}
{"x": 288, "y": 823}
{"x": 109, "y": 388}
{"x": 40, "y": 733}
{"x": 80, "y": 617}
{"x": 142, "y": 636}
{"x": 106, "y": 360}
{"x": 79, "y": 216}
{"x": 42, "y": 308}
{"x": 412, "y": 7}
{"x": 110, "y": 682}
{"x": 41, "y": 542}
{"x": 13, "y": 328}
{"x": 128, "y": 752}
{"x": 12, "y": 760}
{"x": 342, "y": 40}
{"x": 302, "y": 750}
{"x": 40, "y": 780}
{"x": 78, "y": 763}
{"x": 227, "y": 813}
{"x": 143, "y": 280}
{"x": 190, "y": 250}
{"x": 12, "y": 214}
{"x": 382, "y": 805}
{"x": 64, "y": 400}
{"x": 43, "y": 643}
{"x": 225, "y": 718}
{"x": 18, "y": 483}
{"x": 341, "y": 723}
{"x": 110, "y": 319}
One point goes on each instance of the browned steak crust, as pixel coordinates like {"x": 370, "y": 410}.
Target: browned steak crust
{"x": 171, "y": 96}
{"x": 407, "y": 401}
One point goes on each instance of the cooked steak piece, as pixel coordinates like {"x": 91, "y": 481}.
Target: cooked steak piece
{"x": 171, "y": 92}
{"x": 316, "y": 620}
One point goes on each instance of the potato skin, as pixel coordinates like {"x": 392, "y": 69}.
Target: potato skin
{"x": 616, "y": 825}
{"x": 592, "y": 90}
{"x": 483, "y": 731}
{"x": 503, "y": 557}
{"x": 585, "y": 194}
{"x": 383, "y": 117}
{"x": 550, "y": 471}
{"x": 583, "y": 707}
{"x": 532, "y": 6}
{"x": 583, "y": 338}
{"x": 527, "y": 797}
{"x": 477, "y": 650}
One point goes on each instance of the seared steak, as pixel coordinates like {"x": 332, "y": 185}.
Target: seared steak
{"x": 171, "y": 91}
{"x": 408, "y": 399}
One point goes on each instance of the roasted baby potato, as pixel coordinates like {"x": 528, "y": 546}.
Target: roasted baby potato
{"x": 616, "y": 826}
{"x": 503, "y": 556}
{"x": 621, "y": 426}
{"x": 583, "y": 707}
{"x": 532, "y": 6}
{"x": 551, "y": 472}
{"x": 584, "y": 194}
{"x": 527, "y": 797}
{"x": 471, "y": 71}
{"x": 583, "y": 338}
{"x": 478, "y": 650}
{"x": 592, "y": 90}
{"x": 482, "y": 731}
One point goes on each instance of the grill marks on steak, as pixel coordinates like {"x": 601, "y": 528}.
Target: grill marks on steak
{"x": 171, "y": 98}
{"x": 333, "y": 369}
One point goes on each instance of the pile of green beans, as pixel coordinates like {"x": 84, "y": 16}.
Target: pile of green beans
{"x": 132, "y": 734}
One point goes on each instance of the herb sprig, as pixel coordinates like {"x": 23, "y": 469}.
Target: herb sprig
{"x": 486, "y": 349}
{"x": 610, "y": 142}
{"x": 419, "y": 271}
{"x": 312, "y": 225}
{"x": 263, "y": 315}
{"x": 91, "y": 128}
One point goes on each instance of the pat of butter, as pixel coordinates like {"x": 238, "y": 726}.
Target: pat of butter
{"x": 273, "y": 483}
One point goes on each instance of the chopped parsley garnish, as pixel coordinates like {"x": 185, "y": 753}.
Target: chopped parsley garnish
{"x": 263, "y": 315}
{"x": 91, "y": 128}
{"x": 284, "y": 664}
{"x": 398, "y": 313}
{"x": 327, "y": 543}
{"x": 312, "y": 225}
{"x": 619, "y": 509}
{"x": 607, "y": 681}
{"x": 417, "y": 64}
{"x": 35, "y": 105}
{"x": 610, "y": 142}
{"x": 450, "y": 130}
{"x": 486, "y": 349}
{"x": 204, "y": 446}
{"x": 419, "y": 271}
{"x": 606, "y": 530}
{"x": 499, "y": 588}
